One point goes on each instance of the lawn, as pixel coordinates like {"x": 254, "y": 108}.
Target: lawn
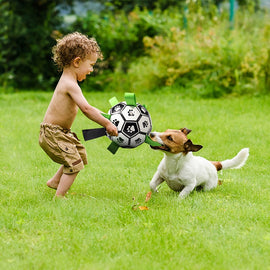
{"x": 97, "y": 227}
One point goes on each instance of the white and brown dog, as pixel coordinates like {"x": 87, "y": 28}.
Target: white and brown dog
{"x": 184, "y": 172}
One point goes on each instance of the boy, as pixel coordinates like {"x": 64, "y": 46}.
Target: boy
{"x": 75, "y": 54}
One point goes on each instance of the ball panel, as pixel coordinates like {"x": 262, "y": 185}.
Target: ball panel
{"x": 121, "y": 140}
{"x": 118, "y": 121}
{"x": 131, "y": 113}
{"x": 145, "y": 124}
{"x": 142, "y": 109}
{"x": 130, "y": 129}
{"x": 118, "y": 108}
{"x": 137, "y": 140}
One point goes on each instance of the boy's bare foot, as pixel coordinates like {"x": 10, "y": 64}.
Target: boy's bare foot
{"x": 52, "y": 184}
{"x": 54, "y": 181}
{"x": 59, "y": 197}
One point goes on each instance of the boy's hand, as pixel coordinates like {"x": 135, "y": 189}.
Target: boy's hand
{"x": 111, "y": 129}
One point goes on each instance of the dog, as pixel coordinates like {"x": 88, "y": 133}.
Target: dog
{"x": 183, "y": 171}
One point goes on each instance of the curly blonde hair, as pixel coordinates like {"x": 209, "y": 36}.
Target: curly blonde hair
{"x": 74, "y": 45}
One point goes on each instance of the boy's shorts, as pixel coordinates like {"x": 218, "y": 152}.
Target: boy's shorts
{"x": 63, "y": 147}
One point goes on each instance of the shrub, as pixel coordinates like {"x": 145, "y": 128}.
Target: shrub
{"x": 208, "y": 55}
{"x": 120, "y": 35}
{"x": 26, "y": 41}
{"x": 192, "y": 47}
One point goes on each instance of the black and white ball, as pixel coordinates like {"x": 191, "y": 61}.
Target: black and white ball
{"x": 133, "y": 124}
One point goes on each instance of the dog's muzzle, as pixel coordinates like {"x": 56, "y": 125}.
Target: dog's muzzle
{"x": 154, "y": 136}
{"x": 162, "y": 147}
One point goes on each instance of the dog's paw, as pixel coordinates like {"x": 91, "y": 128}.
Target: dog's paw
{"x": 155, "y": 190}
{"x": 182, "y": 196}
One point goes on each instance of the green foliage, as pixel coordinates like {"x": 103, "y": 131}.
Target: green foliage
{"x": 96, "y": 227}
{"x": 26, "y": 41}
{"x": 208, "y": 57}
{"x": 147, "y": 45}
{"x": 129, "y": 5}
{"x": 121, "y": 40}
{"x": 119, "y": 35}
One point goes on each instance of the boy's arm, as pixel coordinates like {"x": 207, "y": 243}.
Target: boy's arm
{"x": 91, "y": 112}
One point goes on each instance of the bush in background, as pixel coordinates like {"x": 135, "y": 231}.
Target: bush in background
{"x": 26, "y": 41}
{"x": 189, "y": 47}
{"x": 208, "y": 57}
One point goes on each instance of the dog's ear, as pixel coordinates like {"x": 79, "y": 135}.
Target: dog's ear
{"x": 190, "y": 147}
{"x": 186, "y": 131}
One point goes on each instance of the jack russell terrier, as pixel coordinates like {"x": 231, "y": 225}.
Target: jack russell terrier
{"x": 184, "y": 172}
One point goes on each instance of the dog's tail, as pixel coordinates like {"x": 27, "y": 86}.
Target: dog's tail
{"x": 235, "y": 163}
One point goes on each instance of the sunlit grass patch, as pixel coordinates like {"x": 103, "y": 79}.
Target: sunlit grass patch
{"x": 97, "y": 227}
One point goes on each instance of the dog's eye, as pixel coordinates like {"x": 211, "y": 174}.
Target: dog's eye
{"x": 170, "y": 138}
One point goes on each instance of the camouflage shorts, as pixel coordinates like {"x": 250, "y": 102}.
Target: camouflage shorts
{"x": 63, "y": 147}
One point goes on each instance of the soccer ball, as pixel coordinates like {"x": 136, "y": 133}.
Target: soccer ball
{"x": 133, "y": 124}
{"x": 132, "y": 121}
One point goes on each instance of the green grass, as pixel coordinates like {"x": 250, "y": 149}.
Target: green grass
{"x": 96, "y": 227}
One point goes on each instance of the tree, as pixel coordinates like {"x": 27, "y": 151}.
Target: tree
{"x": 27, "y": 38}
{"x": 129, "y": 5}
